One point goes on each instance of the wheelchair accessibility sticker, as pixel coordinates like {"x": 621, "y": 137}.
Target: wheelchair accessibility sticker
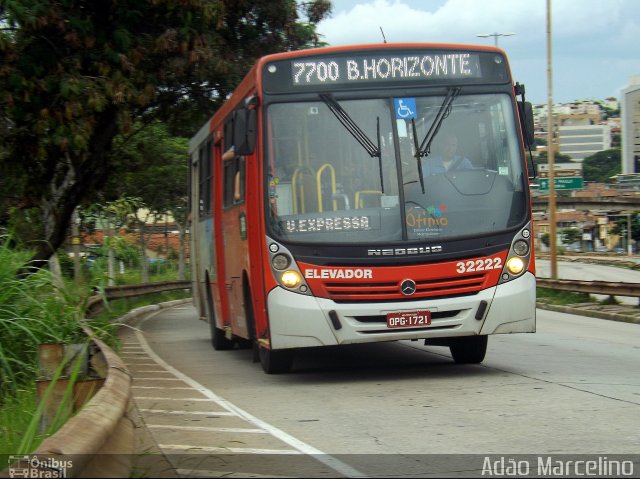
{"x": 405, "y": 108}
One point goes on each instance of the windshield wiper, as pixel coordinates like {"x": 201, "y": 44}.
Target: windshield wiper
{"x": 424, "y": 148}
{"x": 352, "y": 127}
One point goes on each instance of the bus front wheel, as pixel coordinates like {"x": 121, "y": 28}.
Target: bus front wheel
{"x": 275, "y": 361}
{"x": 468, "y": 349}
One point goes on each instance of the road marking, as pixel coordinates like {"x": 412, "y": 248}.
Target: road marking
{"x": 209, "y": 429}
{"x": 176, "y": 399}
{"x": 153, "y": 371}
{"x": 156, "y": 379}
{"x": 304, "y": 448}
{"x": 210, "y": 473}
{"x": 194, "y": 413}
{"x": 235, "y": 450}
{"x": 159, "y": 387}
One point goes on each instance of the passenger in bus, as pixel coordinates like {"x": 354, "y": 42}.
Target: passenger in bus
{"x": 447, "y": 160}
{"x": 229, "y": 154}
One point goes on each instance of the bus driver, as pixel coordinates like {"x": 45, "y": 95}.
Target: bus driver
{"x": 447, "y": 160}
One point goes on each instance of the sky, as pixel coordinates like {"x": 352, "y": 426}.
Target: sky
{"x": 595, "y": 46}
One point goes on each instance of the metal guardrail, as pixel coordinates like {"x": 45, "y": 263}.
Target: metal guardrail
{"x": 591, "y": 287}
{"x": 97, "y": 302}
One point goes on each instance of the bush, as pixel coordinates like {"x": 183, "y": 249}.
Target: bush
{"x": 32, "y": 312}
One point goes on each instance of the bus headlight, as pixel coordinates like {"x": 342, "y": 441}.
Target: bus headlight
{"x": 291, "y": 279}
{"x": 521, "y": 248}
{"x": 515, "y": 265}
{"x": 280, "y": 262}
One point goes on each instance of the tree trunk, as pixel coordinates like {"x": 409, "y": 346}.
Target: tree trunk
{"x": 143, "y": 252}
{"x": 80, "y": 176}
{"x": 182, "y": 252}
{"x": 111, "y": 256}
{"x": 56, "y": 271}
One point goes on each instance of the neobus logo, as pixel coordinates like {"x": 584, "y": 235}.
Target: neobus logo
{"x": 404, "y": 251}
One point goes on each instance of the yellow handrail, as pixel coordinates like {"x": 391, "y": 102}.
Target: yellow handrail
{"x": 294, "y": 184}
{"x": 319, "y": 185}
{"x": 363, "y": 193}
{"x": 299, "y": 172}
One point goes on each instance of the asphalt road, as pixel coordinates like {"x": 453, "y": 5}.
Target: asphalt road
{"x": 392, "y": 409}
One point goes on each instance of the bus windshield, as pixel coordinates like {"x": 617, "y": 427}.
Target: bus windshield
{"x": 393, "y": 169}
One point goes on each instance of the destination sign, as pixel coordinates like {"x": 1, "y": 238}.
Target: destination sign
{"x": 383, "y": 67}
{"x": 389, "y": 67}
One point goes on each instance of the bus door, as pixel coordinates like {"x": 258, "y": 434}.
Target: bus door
{"x": 234, "y": 231}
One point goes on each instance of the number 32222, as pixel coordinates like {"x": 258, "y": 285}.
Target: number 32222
{"x": 478, "y": 265}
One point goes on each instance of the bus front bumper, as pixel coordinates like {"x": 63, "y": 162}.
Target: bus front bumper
{"x": 298, "y": 321}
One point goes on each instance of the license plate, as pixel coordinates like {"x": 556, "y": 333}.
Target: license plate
{"x": 408, "y": 319}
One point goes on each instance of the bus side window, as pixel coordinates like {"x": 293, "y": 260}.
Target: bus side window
{"x": 205, "y": 174}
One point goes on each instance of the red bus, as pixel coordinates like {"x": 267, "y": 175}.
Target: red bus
{"x": 365, "y": 193}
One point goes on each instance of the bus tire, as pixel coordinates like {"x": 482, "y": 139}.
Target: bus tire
{"x": 275, "y": 361}
{"x": 250, "y": 341}
{"x": 468, "y": 349}
{"x": 218, "y": 339}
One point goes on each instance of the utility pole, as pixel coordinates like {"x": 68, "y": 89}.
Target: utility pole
{"x": 550, "y": 155}
{"x": 495, "y": 36}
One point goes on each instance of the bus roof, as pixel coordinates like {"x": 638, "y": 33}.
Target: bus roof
{"x": 376, "y": 46}
{"x": 249, "y": 83}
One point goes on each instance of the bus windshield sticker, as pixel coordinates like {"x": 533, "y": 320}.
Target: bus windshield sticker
{"x": 429, "y": 222}
{"x": 405, "y": 108}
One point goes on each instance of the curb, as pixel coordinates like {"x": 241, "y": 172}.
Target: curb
{"x": 624, "y": 318}
{"x": 100, "y": 429}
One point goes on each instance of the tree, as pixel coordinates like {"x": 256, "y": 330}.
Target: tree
{"x": 602, "y": 166}
{"x": 543, "y": 158}
{"x": 570, "y": 235}
{"x": 545, "y": 239}
{"x": 76, "y": 74}
{"x": 158, "y": 175}
{"x": 621, "y": 224}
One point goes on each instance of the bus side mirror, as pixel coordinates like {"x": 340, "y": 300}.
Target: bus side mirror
{"x": 526, "y": 121}
{"x": 245, "y": 131}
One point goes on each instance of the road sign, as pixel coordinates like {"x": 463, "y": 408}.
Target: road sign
{"x": 567, "y": 183}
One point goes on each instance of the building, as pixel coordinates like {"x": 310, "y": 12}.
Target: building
{"x": 581, "y": 127}
{"x": 594, "y": 226}
{"x": 630, "y": 113}
{"x": 581, "y": 135}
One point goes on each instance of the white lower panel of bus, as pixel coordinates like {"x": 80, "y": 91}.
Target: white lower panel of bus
{"x": 298, "y": 321}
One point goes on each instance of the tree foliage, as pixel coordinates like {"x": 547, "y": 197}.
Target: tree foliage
{"x": 602, "y": 166}
{"x": 76, "y": 74}
{"x": 571, "y": 235}
{"x": 157, "y": 168}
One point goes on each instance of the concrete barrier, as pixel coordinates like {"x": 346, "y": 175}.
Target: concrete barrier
{"x": 101, "y": 428}
{"x": 99, "y": 440}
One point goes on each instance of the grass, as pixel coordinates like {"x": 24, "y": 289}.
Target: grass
{"x": 552, "y": 296}
{"x": 33, "y": 312}
{"x": 15, "y": 416}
